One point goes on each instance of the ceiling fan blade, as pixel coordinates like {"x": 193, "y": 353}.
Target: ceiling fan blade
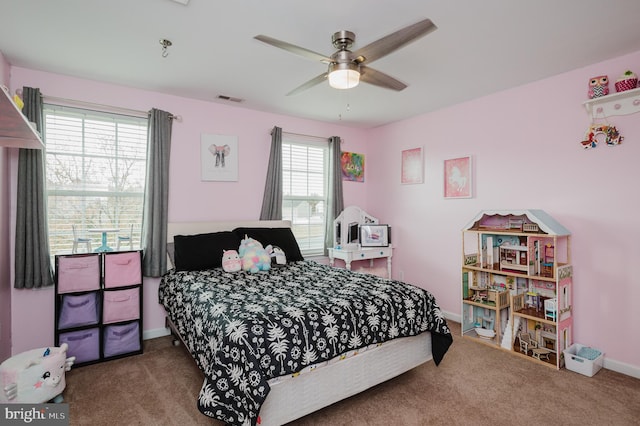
{"x": 394, "y": 41}
{"x": 377, "y": 78}
{"x": 301, "y": 51}
{"x": 309, "y": 84}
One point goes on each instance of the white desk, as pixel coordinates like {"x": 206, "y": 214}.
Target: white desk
{"x": 370, "y": 253}
{"x": 104, "y": 232}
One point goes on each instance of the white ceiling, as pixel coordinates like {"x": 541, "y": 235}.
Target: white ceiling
{"x": 480, "y": 47}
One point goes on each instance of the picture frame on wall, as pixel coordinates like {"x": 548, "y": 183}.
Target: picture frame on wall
{"x": 219, "y": 158}
{"x": 412, "y": 169}
{"x": 375, "y": 235}
{"x": 458, "y": 178}
{"x": 352, "y": 166}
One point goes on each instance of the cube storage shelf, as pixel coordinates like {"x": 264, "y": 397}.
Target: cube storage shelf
{"x": 517, "y": 284}
{"x": 98, "y": 305}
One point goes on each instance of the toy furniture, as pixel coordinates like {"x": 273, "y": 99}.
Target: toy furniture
{"x": 98, "y": 305}
{"x": 540, "y": 353}
{"x": 526, "y": 342}
{"x": 525, "y": 255}
{"x": 551, "y": 308}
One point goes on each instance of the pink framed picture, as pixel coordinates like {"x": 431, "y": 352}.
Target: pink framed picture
{"x": 412, "y": 166}
{"x": 458, "y": 178}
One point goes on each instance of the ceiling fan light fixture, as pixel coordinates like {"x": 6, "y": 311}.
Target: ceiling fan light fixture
{"x": 344, "y": 75}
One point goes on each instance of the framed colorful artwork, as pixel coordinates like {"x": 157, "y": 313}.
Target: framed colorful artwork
{"x": 412, "y": 166}
{"x": 458, "y": 178}
{"x": 352, "y": 165}
{"x": 219, "y": 158}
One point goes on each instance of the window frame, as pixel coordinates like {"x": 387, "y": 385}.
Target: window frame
{"x": 127, "y": 147}
{"x": 308, "y": 142}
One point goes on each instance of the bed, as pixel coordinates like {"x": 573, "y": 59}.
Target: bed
{"x": 279, "y": 344}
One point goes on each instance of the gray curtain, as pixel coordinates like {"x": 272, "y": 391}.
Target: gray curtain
{"x": 32, "y": 261}
{"x": 156, "y": 195}
{"x": 272, "y": 199}
{"x": 335, "y": 196}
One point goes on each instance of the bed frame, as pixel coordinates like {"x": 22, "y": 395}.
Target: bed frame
{"x": 294, "y": 398}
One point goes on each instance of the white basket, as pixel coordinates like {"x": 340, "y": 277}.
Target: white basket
{"x": 582, "y": 365}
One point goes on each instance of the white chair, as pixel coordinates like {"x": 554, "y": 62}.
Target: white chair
{"x": 124, "y": 238}
{"x": 77, "y": 239}
{"x": 551, "y": 309}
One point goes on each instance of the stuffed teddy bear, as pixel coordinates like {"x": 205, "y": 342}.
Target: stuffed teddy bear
{"x": 231, "y": 261}
{"x": 254, "y": 257}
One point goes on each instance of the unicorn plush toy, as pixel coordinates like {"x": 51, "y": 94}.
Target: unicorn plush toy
{"x": 35, "y": 376}
{"x": 254, "y": 257}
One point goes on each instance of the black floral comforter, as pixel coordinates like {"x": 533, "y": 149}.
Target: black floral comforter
{"x": 244, "y": 329}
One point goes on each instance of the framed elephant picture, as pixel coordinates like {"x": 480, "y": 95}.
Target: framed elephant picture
{"x": 219, "y": 158}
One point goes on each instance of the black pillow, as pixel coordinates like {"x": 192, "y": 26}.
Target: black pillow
{"x": 281, "y": 237}
{"x": 203, "y": 251}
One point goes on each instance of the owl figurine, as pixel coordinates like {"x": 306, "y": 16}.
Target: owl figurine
{"x": 598, "y": 86}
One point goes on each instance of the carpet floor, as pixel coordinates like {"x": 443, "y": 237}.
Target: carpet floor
{"x": 474, "y": 385}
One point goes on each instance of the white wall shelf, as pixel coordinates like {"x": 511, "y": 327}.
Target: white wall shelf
{"x": 15, "y": 129}
{"x": 621, "y": 103}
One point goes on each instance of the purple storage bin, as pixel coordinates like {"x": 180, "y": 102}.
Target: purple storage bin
{"x": 83, "y": 344}
{"x": 121, "y": 305}
{"x": 121, "y": 339}
{"x": 78, "y": 309}
{"x": 122, "y": 269}
{"x": 78, "y": 273}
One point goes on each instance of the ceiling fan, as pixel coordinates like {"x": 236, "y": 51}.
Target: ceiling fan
{"x": 347, "y": 68}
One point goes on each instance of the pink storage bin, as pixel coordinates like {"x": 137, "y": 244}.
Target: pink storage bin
{"x": 78, "y": 273}
{"x": 78, "y": 310}
{"x": 122, "y": 269}
{"x": 121, "y": 339}
{"x": 83, "y": 344}
{"x": 121, "y": 305}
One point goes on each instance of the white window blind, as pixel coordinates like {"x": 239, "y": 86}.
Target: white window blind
{"x": 304, "y": 192}
{"x": 95, "y": 168}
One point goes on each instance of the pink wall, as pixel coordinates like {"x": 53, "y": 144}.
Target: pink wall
{"x": 526, "y": 154}
{"x": 5, "y": 276}
{"x": 190, "y": 199}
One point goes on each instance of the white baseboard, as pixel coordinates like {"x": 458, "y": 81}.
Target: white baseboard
{"x": 157, "y": 332}
{"x": 609, "y": 364}
{"x": 621, "y": 367}
{"x": 452, "y": 317}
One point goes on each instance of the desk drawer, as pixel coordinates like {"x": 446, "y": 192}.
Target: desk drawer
{"x": 373, "y": 253}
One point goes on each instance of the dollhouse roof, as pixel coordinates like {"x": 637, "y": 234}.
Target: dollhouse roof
{"x": 500, "y": 219}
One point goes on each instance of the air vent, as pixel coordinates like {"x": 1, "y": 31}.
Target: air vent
{"x": 229, "y": 98}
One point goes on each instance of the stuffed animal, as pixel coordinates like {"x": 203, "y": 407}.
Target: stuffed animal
{"x": 231, "y": 261}
{"x": 254, "y": 257}
{"x": 35, "y": 376}
{"x": 598, "y": 86}
{"x": 277, "y": 255}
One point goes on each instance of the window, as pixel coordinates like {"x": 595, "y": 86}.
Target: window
{"x": 96, "y": 168}
{"x": 304, "y": 192}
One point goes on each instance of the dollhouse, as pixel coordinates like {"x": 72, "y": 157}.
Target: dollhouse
{"x": 517, "y": 281}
